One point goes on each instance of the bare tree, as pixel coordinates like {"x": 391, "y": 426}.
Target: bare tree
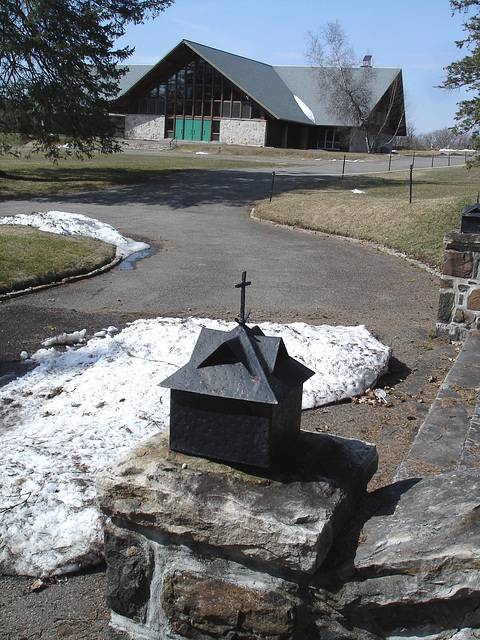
{"x": 443, "y": 138}
{"x": 446, "y": 138}
{"x": 347, "y": 83}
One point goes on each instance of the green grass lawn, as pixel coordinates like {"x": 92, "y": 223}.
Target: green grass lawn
{"x": 29, "y": 257}
{"x": 383, "y": 213}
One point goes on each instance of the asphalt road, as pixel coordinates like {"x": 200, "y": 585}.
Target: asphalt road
{"x": 202, "y": 238}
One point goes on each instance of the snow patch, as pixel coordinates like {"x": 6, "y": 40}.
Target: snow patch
{"x": 76, "y": 224}
{"x": 305, "y": 108}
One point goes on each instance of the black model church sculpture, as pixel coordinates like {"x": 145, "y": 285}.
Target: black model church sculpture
{"x": 239, "y": 398}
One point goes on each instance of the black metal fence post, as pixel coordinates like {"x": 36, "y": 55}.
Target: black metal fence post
{"x": 271, "y": 187}
{"x": 411, "y": 183}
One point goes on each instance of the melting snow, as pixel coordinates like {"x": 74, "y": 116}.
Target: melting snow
{"x": 71, "y": 224}
{"x": 305, "y": 108}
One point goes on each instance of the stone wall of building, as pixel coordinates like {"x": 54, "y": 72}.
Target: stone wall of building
{"x": 139, "y": 126}
{"x": 459, "y": 302}
{"x": 248, "y": 132}
{"x": 253, "y": 133}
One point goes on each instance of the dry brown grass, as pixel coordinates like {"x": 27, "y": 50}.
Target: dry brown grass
{"x": 383, "y": 213}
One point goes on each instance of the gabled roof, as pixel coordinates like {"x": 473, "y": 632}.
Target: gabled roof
{"x": 307, "y": 83}
{"x": 258, "y": 80}
{"x": 242, "y": 364}
{"x": 135, "y": 72}
{"x": 287, "y": 93}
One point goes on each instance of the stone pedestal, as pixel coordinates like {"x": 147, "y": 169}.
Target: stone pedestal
{"x": 459, "y": 303}
{"x": 198, "y": 549}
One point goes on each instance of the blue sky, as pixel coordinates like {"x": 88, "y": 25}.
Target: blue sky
{"x": 416, "y": 35}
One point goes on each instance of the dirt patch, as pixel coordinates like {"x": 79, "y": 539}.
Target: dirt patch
{"x": 391, "y": 426}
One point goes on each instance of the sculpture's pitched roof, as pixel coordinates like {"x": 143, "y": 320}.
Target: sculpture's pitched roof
{"x": 242, "y": 364}
{"x": 287, "y": 93}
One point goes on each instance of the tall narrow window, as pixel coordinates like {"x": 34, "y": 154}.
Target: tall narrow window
{"x": 170, "y": 96}
{"x": 199, "y": 72}
{"x": 256, "y": 113}
{"x": 190, "y": 73}
{"x": 152, "y": 102}
{"x": 162, "y": 94}
{"x": 216, "y": 130}
{"x": 226, "y": 109}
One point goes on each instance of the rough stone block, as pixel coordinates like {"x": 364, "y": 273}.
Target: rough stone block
{"x": 473, "y": 301}
{"x": 129, "y": 574}
{"x": 445, "y": 306}
{"x": 418, "y": 564}
{"x": 236, "y": 510}
{"x": 429, "y": 525}
{"x": 469, "y": 317}
{"x": 458, "y": 264}
{"x": 200, "y": 607}
{"x": 458, "y": 241}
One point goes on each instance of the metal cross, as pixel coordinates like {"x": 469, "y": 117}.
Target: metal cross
{"x": 242, "y": 285}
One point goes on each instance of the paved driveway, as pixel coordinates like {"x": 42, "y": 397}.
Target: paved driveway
{"x": 199, "y": 226}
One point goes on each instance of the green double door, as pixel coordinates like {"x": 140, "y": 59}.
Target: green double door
{"x": 190, "y": 129}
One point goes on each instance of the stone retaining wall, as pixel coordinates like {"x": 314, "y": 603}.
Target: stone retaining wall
{"x": 197, "y": 549}
{"x": 459, "y": 302}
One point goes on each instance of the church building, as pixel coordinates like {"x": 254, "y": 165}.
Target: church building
{"x": 199, "y": 93}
